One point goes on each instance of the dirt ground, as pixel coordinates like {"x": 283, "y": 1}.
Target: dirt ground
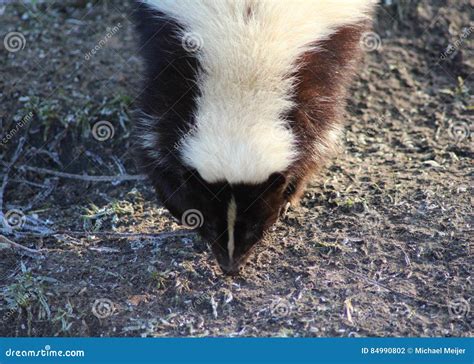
{"x": 380, "y": 246}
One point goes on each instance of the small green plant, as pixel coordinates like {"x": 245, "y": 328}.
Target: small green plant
{"x": 94, "y": 216}
{"x": 27, "y": 295}
{"x": 64, "y": 317}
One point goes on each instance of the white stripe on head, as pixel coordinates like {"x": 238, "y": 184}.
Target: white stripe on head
{"x": 231, "y": 217}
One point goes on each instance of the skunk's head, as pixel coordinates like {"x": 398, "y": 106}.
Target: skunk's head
{"x": 247, "y": 213}
{"x": 232, "y": 218}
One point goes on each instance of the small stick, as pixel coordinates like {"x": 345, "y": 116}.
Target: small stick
{"x": 26, "y": 182}
{"x": 13, "y": 245}
{"x": 164, "y": 235}
{"x": 85, "y": 177}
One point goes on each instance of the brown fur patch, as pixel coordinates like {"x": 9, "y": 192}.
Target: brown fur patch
{"x": 324, "y": 76}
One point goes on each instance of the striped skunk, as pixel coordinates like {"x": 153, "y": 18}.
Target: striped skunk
{"x": 242, "y": 104}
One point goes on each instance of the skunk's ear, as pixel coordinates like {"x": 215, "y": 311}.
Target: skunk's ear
{"x": 276, "y": 181}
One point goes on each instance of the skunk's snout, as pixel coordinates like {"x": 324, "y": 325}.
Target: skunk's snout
{"x": 231, "y": 269}
{"x": 233, "y": 266}
{"x": 228, "y": 266}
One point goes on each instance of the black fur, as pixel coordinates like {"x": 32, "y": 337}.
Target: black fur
{"x": 167, "y": 105}
{"x": 167, "y": 109}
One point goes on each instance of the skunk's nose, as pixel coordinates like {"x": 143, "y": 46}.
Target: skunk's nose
{"x": 230, "y": 269}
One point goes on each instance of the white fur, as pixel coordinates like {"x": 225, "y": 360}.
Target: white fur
{"x": 246, "y": 78}
{"x": 328, "y": 144}
{"x": 146, "y": 136}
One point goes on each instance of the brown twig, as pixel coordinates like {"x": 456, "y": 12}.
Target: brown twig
{"x": 28, "y": 251}
{"x": 112, "y": 234}
{"x": 85, "y": 177}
